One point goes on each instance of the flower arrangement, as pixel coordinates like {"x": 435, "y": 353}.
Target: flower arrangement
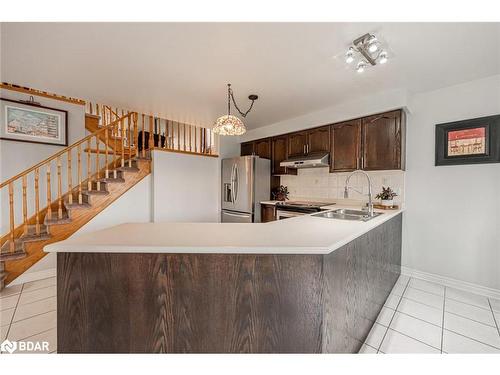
{"x": 280, "y": 193}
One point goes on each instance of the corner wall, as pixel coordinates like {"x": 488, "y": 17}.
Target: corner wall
{"x": 452, "y": 218}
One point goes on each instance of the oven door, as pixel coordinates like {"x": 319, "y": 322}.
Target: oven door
{"x": 281, "y": 214}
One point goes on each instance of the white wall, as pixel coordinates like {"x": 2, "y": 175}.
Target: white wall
{"x": 452, "y": 222}
{"x": 133, "y": 206}
{"x": 185, "y": 187}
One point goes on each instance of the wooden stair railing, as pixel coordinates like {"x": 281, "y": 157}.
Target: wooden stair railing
{"x": 164, "y": 134}
{"x": 67, "y": 179}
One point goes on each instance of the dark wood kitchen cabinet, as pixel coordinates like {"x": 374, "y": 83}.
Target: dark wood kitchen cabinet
{"x": 383, "y": 141}
{"x": 247, "y": 148}
{"x": 267, "y": 213}
{"x": 297, "y": 144}
{"x": 345, "y": 151}
{"x": 262, "y": 148}
{"x": 279, "y": 154}
{"x": 318, "y": 140}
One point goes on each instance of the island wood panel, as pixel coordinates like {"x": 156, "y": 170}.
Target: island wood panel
{"x": 221, "y": 303}
{"x": 358, "y": 278}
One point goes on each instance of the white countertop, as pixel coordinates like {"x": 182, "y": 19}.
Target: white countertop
{"x": 299, "y": 235}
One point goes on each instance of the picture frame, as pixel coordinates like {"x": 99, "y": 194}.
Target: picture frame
{"x": 472, "y": 141}
{"x": 29, "y": 122}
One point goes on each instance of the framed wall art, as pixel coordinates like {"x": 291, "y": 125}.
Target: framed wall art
{"x": 30, "y": 122}
{"x": 471, "y": 141}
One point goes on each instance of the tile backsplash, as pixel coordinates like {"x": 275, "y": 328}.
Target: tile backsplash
{"x": 319, "y": 183}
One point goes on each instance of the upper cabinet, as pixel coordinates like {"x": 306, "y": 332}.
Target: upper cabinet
{"x": 297, "y": 144}
{"x": 247, "y": 148}
{"x": 309, "y": 142}
{"x": 279, "y": 154}
{"x": 262, "y": 148}
{"x": 383, "y": 141}
{"x": 371, "y": 143}
{"x": 345, "y": 151}
{"x": 318, "y": 140}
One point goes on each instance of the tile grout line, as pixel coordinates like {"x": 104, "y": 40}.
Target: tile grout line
{"x": 39, "y": 300}
{"x": 14, "y": 313}
{"x": 472, "y": 339}
{"x": 395, "y": 310}
{"x": 494, "y": 317}
{"x": 413, "y": 338}
{"x": 33, "y": 316}
{"x": 442, "y": 321}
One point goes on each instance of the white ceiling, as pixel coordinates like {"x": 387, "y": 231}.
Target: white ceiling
{"x": 180, "y": 70}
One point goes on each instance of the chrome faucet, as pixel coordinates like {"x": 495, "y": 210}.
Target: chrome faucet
{"x": 347, "y": 187}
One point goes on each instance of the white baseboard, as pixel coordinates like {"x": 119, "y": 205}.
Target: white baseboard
{"x": 33, "y": 276}
{"x": 452, "y": 283}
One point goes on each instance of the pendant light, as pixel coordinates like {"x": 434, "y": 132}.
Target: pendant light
{"x": 230, "y": 124}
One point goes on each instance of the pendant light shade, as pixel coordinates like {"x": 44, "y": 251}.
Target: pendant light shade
{"x": 229, "y": 124}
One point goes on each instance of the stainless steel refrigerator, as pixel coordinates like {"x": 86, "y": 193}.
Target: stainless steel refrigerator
{"x": 246, "y": 181}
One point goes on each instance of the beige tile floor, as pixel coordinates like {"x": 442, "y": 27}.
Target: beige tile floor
{"x": 28, "y": 313}
{"x": 418, "y": 317}
{"x": 424, "y": 317}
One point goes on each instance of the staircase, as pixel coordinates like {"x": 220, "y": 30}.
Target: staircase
{"x": 77, "y": 183}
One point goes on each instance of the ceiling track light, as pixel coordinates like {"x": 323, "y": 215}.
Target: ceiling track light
{"x": 366, "y": 49}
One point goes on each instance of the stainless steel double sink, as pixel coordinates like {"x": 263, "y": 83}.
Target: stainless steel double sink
{"x": 346, "y": 214}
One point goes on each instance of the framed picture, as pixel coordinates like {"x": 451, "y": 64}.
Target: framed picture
{"x": 471, "y": 141}
{"x": 27, "y": 122}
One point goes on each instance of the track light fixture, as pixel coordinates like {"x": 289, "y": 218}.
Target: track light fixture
{"x": 366, "y": 49}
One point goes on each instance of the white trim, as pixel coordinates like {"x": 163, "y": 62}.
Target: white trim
{"x": 453, "y": 283}
{"x": 33, "y": 276}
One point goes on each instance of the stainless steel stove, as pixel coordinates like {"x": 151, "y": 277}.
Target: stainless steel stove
{"x": 289, "y": 209}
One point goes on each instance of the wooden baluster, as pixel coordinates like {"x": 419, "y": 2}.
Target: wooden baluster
{"x": 115, "y": 152}
{"x": 97, "y": 163}
{"x": 129, "y": 140}
{"x": 12, "y": 245}
{"x": 167, "y": 143}
{"x": 184, "y": 136}
{"x": 25, "y": 206}
{"x": 106, "y": 146}
{"x": 151, "y": 143}
{"x": 70, "y": 179}
{"x": 91, "y": 110}
{"x": 89, "y": 181}
{"x": 178, "y": 136}
{"x": 190, "y": 138}
{"x": 122, "y": 127}
{"x": 59, "y": 188}
{"x": 98, "y": 113}
{"x": 79, "y": 162}
{"x": 136, "y": 134}
{"x": 143, "y": 139}
{"x": 49, "y": 194}
{"x": 37, "y": 201}
{"x": 210, "y": 141}
{"x": 195, "y": 143}
{"x": 104, "y": 119}
{"x": 201, "y": 140}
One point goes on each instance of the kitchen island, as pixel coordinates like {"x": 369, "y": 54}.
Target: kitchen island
{"x": 301, "y": 285}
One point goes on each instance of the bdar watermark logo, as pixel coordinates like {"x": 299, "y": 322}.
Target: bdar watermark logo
{"x": 8, "y": 346}
{"x": 24, "y": 346}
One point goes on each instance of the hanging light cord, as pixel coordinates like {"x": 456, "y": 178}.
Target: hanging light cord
{"x": 231, "y": 96}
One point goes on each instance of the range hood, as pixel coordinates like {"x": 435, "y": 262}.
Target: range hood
{"x": 309, "y": 161}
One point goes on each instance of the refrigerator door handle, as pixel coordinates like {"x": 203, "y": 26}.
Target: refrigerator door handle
{"x": 232, "y": 183}
{"x": 236, "y": 181}
{"x": 236, "y": 215}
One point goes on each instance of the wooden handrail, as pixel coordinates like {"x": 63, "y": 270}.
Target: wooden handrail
{"x": 63, "y": 151}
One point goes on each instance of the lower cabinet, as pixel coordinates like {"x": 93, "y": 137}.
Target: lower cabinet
{"x": 268, "y": 212}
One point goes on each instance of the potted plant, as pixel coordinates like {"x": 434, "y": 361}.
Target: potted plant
{"x": 280, "y": 193}
{"x": 386, "y": 196}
